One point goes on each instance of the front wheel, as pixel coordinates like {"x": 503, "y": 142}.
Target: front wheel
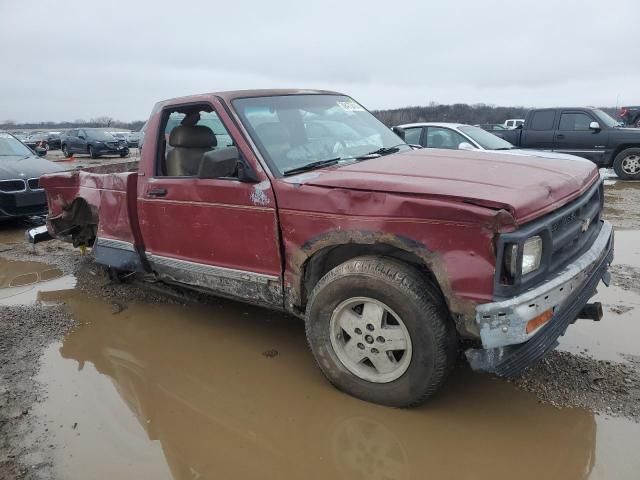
{"x": 380, "y": 332}
{"x": 627, "y": 164}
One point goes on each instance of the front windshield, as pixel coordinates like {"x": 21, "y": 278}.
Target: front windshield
{"x": 293, "y": 131}
{"x": 485, "y": 139}
{"x": 10, "y": 146}
{"x": 100, "y": 135}
{"x": 607, "y": 119}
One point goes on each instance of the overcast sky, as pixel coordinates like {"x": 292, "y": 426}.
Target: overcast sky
{"x": 68, "y": 60}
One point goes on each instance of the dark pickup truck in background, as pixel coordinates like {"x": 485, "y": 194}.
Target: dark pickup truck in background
{"x": 586, "y": 132}
{"x": 630, "y": 116}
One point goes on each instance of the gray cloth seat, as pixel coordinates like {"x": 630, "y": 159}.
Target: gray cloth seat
{"x": 189, "y": 144}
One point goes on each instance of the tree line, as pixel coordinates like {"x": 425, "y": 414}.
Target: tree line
{"x": 99, "y": 122}
{"x": 476, "y": 114}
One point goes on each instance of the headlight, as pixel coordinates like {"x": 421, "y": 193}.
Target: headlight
{"x": 531, "y": 254}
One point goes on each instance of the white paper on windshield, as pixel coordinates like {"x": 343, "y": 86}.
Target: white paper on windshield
{"x": 350, "y": 106}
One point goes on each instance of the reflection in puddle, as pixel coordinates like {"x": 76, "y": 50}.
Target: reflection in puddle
{"x": 184, "y": 392}
{"x": 22, "y": 282}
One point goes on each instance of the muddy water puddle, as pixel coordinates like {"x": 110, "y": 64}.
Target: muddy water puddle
{"x": 231, "y": 391}
{"x": 22, "y": 283}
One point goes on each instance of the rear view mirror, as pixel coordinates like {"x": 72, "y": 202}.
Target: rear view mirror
{"x": 219, "y": 163}
{"x": 399, "y": 131}
{"x": 466, "y": 146}
{"x": 594, "y": 126}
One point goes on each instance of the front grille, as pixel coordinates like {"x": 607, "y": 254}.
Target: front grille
{"x": 34, "y": 183}
{"x": 112, "y": 144}
{"x": 9, "y": 186}
{"x": 566, "y": 234}
{"x": 577, "y": 230}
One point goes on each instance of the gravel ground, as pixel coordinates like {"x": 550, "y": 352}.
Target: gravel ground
{"x": 566, "y": 380}
{"x": 19, "y": 357}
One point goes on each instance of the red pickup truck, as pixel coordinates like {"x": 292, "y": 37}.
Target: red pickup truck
{"x": 395, "y": 257}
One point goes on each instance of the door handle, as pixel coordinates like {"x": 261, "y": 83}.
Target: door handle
{"x": 157, "y": 192}
{"x": 560, "y": 136}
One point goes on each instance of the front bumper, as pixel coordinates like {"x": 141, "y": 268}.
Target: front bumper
{"x": 107, "y": 150}
{"x": 507, "y": 347}
{"x": 22, "y": 204}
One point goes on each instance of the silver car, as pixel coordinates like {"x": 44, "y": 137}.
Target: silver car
{"x": 458, "y": 136}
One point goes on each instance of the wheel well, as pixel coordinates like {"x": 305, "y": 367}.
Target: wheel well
{"x": 621, "y": 148}
{"x": 79, "y": 220}
{"x": 328, "y": 258}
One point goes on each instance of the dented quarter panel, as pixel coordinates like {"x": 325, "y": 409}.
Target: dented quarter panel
{"x": 105, "y": 194}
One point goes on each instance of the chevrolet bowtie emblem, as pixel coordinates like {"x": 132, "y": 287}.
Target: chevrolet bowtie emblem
{"x": 585, "y": 224}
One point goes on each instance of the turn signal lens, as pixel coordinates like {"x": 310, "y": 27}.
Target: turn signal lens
{"x": 538, "y": 321}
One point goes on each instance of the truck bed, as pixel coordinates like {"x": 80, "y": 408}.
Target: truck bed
{"x": 75, "y": 200}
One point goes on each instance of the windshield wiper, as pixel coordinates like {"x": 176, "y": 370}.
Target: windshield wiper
{"x": 313, "y": 165}
{"x": 381, "y": 151}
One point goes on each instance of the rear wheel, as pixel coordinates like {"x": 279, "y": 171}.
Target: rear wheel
{"x": 627, "y": 164}
{"x": 380, "y": 332}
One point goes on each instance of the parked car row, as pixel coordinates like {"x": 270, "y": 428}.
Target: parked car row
{"x": 54, "y": 140}
{"x": 94, "y": 142}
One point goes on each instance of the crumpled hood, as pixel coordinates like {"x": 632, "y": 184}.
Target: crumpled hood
{"x": 526, "y": 186}
{"x": 18, "y": 166}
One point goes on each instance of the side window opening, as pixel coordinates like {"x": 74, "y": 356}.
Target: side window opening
{"x": 543, "y": 120}
{"x": 575, "y": 121}
{"x": 412, "y": 135}
{"x": 194, "y": 140}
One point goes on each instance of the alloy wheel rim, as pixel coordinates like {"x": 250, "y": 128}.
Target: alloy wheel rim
{"x": 370, "y": 339}
{"x": 631, "y": 164}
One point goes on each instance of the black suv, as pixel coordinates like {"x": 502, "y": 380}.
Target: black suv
{"x": 94, "y": 142}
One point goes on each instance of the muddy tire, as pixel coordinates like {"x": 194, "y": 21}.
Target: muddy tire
{"x": 627, "y": 164}
{"x": 65, "y": 151}
{"x": 381, "y": 332}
